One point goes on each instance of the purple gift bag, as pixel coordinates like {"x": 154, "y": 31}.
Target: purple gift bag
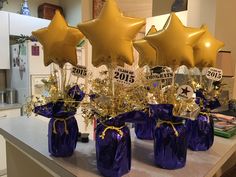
{"x": 200, "y": 132}
{"x": 62, "y": 136}
{"x": 113, "y": 148}
{"x": 170, "y": 145}
{"x": 145, "y": 130}
{"x": 62, "y": 128}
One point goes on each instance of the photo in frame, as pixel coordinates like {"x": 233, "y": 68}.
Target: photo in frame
{"x": 37, "y": 86}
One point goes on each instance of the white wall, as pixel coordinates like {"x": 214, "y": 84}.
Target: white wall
{"x": 87, "y": 10}
{"x": 15, "y": 5}
{"x": 202, "y": 12}
{"x": 136, "y": 8}
{"x": 199, "y": 12}
{"x": 226, "y": 28}
{"x": 219, "y": 16}
{"x": 72, "y": 10}
{"x": 159, "y": 21}
{"x": 161, "y": 7}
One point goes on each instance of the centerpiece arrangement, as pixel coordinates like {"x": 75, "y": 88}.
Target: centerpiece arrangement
{"x": 63, "y": 96}
{"x": 175, "y": 116}
{"x": 111, "y": 36}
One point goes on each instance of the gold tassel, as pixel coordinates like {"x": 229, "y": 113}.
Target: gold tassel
{"x": 170, "y": 123}
{"x": 118, "y": 129}
{"x": 65, "y": 123}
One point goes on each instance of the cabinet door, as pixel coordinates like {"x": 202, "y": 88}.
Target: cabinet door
{"x": 4, "y": 41}
{"x": 6, "y": 114}
{"x": 3, "y": 165}
{"x": 24, "y": 25}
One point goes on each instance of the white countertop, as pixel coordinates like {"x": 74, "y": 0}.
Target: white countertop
{"x": 30, "y": 135}
{"x": 5, "y": 106}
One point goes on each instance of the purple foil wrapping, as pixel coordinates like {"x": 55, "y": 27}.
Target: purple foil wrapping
{"x": 76, "y": 93}
{"x": 204, "y": 103}
{"x": 145, "y": 130}
{"x": 62, "y": 128}
{"x": 62, "y": 137}
{"x": 169, "y": 149}
{"x": 144, "y": 124}
{"x": 113, "y": 152}
{"x": 200, "y": 133}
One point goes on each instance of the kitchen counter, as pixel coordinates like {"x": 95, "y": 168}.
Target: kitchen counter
{"x": 10, "y": 106}
{"x": 6, "y": 111}
{"x": 27, "y": 144}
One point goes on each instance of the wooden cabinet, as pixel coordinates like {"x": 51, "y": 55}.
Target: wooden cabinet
{"x": 24, "y": 25}
{"x": 4, "y": 41}
{"x": 3, "y": 165}
{"x": 6, "y": 114}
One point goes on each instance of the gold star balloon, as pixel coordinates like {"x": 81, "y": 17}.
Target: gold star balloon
{"x": 111, "y": 36}
{"x": 147, "y": 54}
{"x": 206, "y": 49}
{"x": 59, "y": 41}
{"x": 175, "y": 43}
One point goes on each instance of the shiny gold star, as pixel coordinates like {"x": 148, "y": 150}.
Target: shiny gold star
{"x": 59, "y": 41}
{"x": 206, "y": 49}
{"x": 175, "y": 43}
{"x": 111, "y": 36}
{"x": 147, "y": 54}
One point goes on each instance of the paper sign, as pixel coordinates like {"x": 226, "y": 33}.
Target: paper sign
{"x": 124, "y": 76}
{"x": 159, "y": 73}
{"x": 185, "y": 92}
{"x": 193, "y": 114}
{"x": 79, "y": 71}
{"x": 23, "y": 50}
{"x": 214, "y": 74}
{"x": 35, "y": 50}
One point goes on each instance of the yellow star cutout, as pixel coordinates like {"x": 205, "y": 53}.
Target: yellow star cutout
{"x": 59, "y": 41}
{"x": 147, "y": 54}
{"x": 111, "y": 36}
{"x": 206, "y": 49}
{"x": 175, "y": 43}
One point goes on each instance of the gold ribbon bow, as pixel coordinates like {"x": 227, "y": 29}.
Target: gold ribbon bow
{"x": 61, "y": 120}
{"x": 170, "y": 123}
{"x": 118, "y": 129}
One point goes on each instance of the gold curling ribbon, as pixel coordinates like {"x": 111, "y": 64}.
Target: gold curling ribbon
{"x": 61, "y": 120}
{"x": 170, "y": 123}
{"x": 118, "y": 129}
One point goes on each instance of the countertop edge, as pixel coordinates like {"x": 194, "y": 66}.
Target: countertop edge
{"x": 10, "y": 106}
{"x": 40, "y": 158}
{"x": 48, "y": 161}
{"x": 220, "y": 163}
